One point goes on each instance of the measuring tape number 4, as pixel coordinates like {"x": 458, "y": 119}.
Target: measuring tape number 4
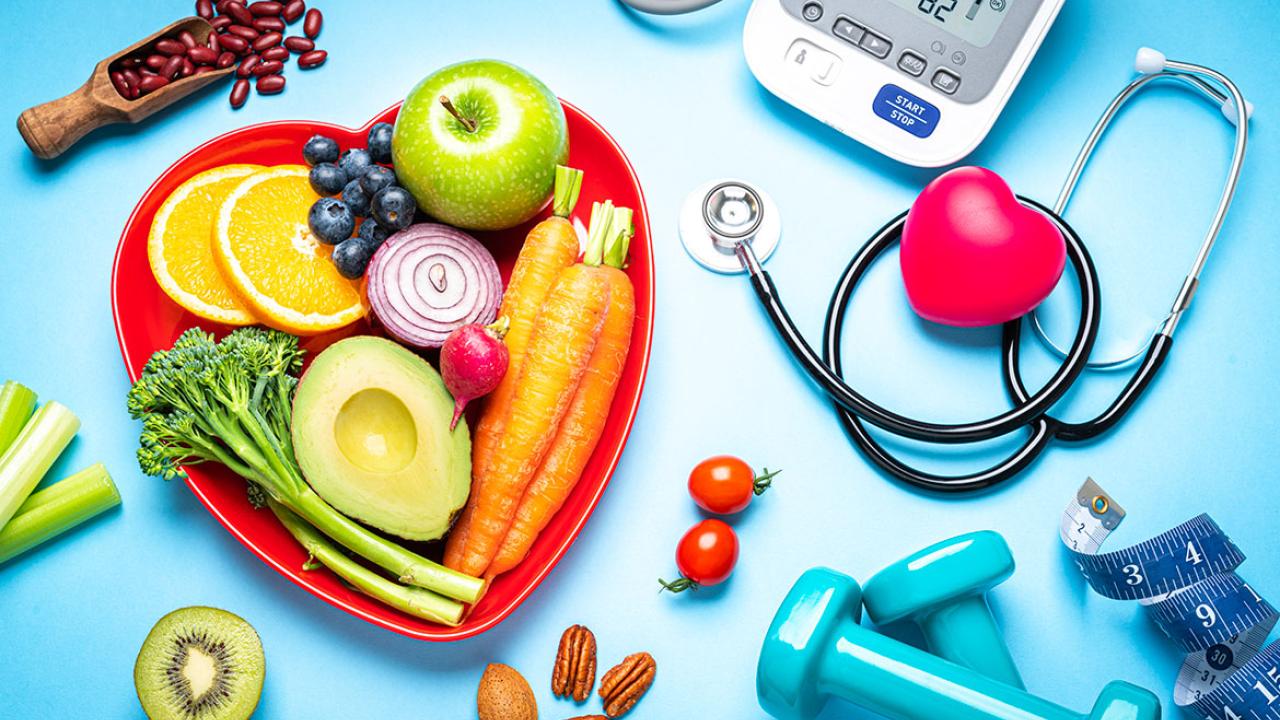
{"x": 1186, "y": 580}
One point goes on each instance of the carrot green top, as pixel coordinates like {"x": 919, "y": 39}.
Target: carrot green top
{"x": 568, "y": 185}
{"x": 609, "y": 235}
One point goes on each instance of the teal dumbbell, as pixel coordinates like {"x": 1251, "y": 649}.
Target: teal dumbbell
{"x": 943, "y": 589}
{"x": 815, "y": 648}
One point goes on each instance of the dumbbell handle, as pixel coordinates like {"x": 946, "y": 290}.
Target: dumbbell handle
{"x": 965, "y": 633}
{"x": 904, "y": 683}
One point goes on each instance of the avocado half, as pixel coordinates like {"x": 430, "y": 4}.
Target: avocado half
{"x": 371, "y": 434}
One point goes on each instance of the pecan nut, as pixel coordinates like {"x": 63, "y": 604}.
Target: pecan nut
{"x": 575, "y": 670}
{"x": 623, "y": 686}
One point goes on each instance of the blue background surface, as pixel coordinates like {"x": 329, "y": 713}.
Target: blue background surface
{"x": 679, "y": 98}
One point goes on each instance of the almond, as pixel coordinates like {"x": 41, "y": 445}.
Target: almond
{"x": 504, "y": 694}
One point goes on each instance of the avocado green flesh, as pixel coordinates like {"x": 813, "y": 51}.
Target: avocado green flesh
{"x": 371, "y": 434}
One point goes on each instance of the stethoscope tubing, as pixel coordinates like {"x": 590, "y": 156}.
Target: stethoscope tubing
{"x": 828, "y": 375}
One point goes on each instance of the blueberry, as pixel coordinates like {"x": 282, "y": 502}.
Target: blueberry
{"x": 351, "y": 257}
{"x": 356, "y": 162}
{"x": 380, "y": 142}
{"x": 331, "y": 221}
{"x": 320, "y": 149}
{"x": 377, "y": 178}
{"x": 371, "y": 233}
{"x": 393, "y": 208}
{"x": 356, "y": 198}
{"x": 327, "y": 179}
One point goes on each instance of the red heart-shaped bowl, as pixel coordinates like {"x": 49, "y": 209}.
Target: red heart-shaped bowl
{"x": 147, "y": 320}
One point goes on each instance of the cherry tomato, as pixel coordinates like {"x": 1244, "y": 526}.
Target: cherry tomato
{"x": 706, "y": 556}
{"x": 725, "y": 484}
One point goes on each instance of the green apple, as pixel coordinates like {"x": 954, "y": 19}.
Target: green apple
{"x": 477, "y": 143}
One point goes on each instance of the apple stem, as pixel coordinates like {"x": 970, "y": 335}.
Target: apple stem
{"x": 467, "y": 122}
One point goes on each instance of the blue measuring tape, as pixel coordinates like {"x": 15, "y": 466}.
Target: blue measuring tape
{"x": 1186, "y": 580}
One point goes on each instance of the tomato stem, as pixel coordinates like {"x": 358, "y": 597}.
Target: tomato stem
{"x": 677, "y": 586}
{"x": 764, "y": 481}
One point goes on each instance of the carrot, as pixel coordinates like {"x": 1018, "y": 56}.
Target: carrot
{"x": 560, "y": 346}
{"x": 583, "y": 423}
{"x": 550, "y": 247}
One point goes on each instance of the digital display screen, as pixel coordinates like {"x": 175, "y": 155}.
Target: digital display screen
{"x": 973, "y": 21}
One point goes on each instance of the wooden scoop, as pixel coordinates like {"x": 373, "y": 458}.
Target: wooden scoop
{"x": 50, "y": 129}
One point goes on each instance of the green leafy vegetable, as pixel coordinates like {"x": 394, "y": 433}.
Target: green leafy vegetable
{"x": 32, "y": 452}
{"x": 58, "y": 508}
{"x": 230, "y": 402}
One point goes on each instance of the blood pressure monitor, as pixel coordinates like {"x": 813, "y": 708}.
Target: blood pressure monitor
{"x": 921, "y": 81}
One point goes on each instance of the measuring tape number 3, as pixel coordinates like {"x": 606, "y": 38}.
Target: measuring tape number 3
{"x": 1186, "y": 580}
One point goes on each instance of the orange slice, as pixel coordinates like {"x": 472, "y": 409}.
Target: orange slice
{"x": 180, "y": 246}
{"x": 269, "y": 255}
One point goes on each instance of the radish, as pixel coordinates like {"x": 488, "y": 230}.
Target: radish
{"x": 473, "y": 361}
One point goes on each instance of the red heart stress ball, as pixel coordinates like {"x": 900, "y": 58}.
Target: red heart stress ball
{"x": 973, "y": 255}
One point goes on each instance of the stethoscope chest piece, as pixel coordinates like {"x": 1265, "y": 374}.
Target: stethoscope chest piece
{"x": 720, "y": 215}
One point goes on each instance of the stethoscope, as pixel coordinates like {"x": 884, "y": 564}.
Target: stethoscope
{"x": 731, "y": 226}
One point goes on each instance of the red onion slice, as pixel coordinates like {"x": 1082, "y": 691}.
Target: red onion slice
{"x": 428, "y": 280}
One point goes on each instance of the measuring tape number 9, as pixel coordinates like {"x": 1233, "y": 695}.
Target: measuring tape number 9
{"x": 1186, "y": 580}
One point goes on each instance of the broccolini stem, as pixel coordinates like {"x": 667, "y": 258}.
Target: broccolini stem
{"x": 288, "y": 477}
{"x": 412, "y": 600}
{"x": 408, "y": 567}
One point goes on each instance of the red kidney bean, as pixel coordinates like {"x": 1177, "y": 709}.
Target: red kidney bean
{"x": 266, "y": 7}
{"x": 221, "y": 22}
{"x": 213, "y": 44}
{"x": 270, "y": 84}
{"x": 268, "y": 24}
{"x": 294, "y": 9}
{"x": 315, "y": 58}
{"x": 122, "y": 86}
{"x": 299, "y": 44}
{"x": 268, "y": 68}
{"x": 130, "y": 62}
{"x": 247, "y": 65}
{"x": 269, "y": 40}
{"x": 172, "y": 66}
{"x": 202, "y": 55}
{"x": 225, "y": 60}
{"x": 204, "y": 8}
{"x": 131, "y": 77}
{"x": 169, "y": 46}
{"x": 234, "y": 43}
{"x": 151, "y": 83}
{"x": 238, "y": 12}
{"x": 188, "y": 67}
{"x": 186, "y": 38}
{"x": 239, "y": 92}
{"x": 245, "y": 32}
{"x": 155, "y": 62}
{"x": 203, "y": 69}
{"x": 276, "y": 53}
{"x": 311, "y": 26}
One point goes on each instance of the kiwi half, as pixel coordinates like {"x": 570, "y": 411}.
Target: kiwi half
{"x": 200, "y": 663}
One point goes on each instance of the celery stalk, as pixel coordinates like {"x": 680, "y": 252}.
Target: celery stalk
{"x": 16, "y": 404}
{"x": 58, "y": 508}
{"x": 41, "y": 441}
{"x": 415, "y": 601}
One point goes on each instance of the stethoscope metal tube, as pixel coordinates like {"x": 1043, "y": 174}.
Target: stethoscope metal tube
{"x": 1031, "y": 410}
{"x": 1155, "y": 67}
